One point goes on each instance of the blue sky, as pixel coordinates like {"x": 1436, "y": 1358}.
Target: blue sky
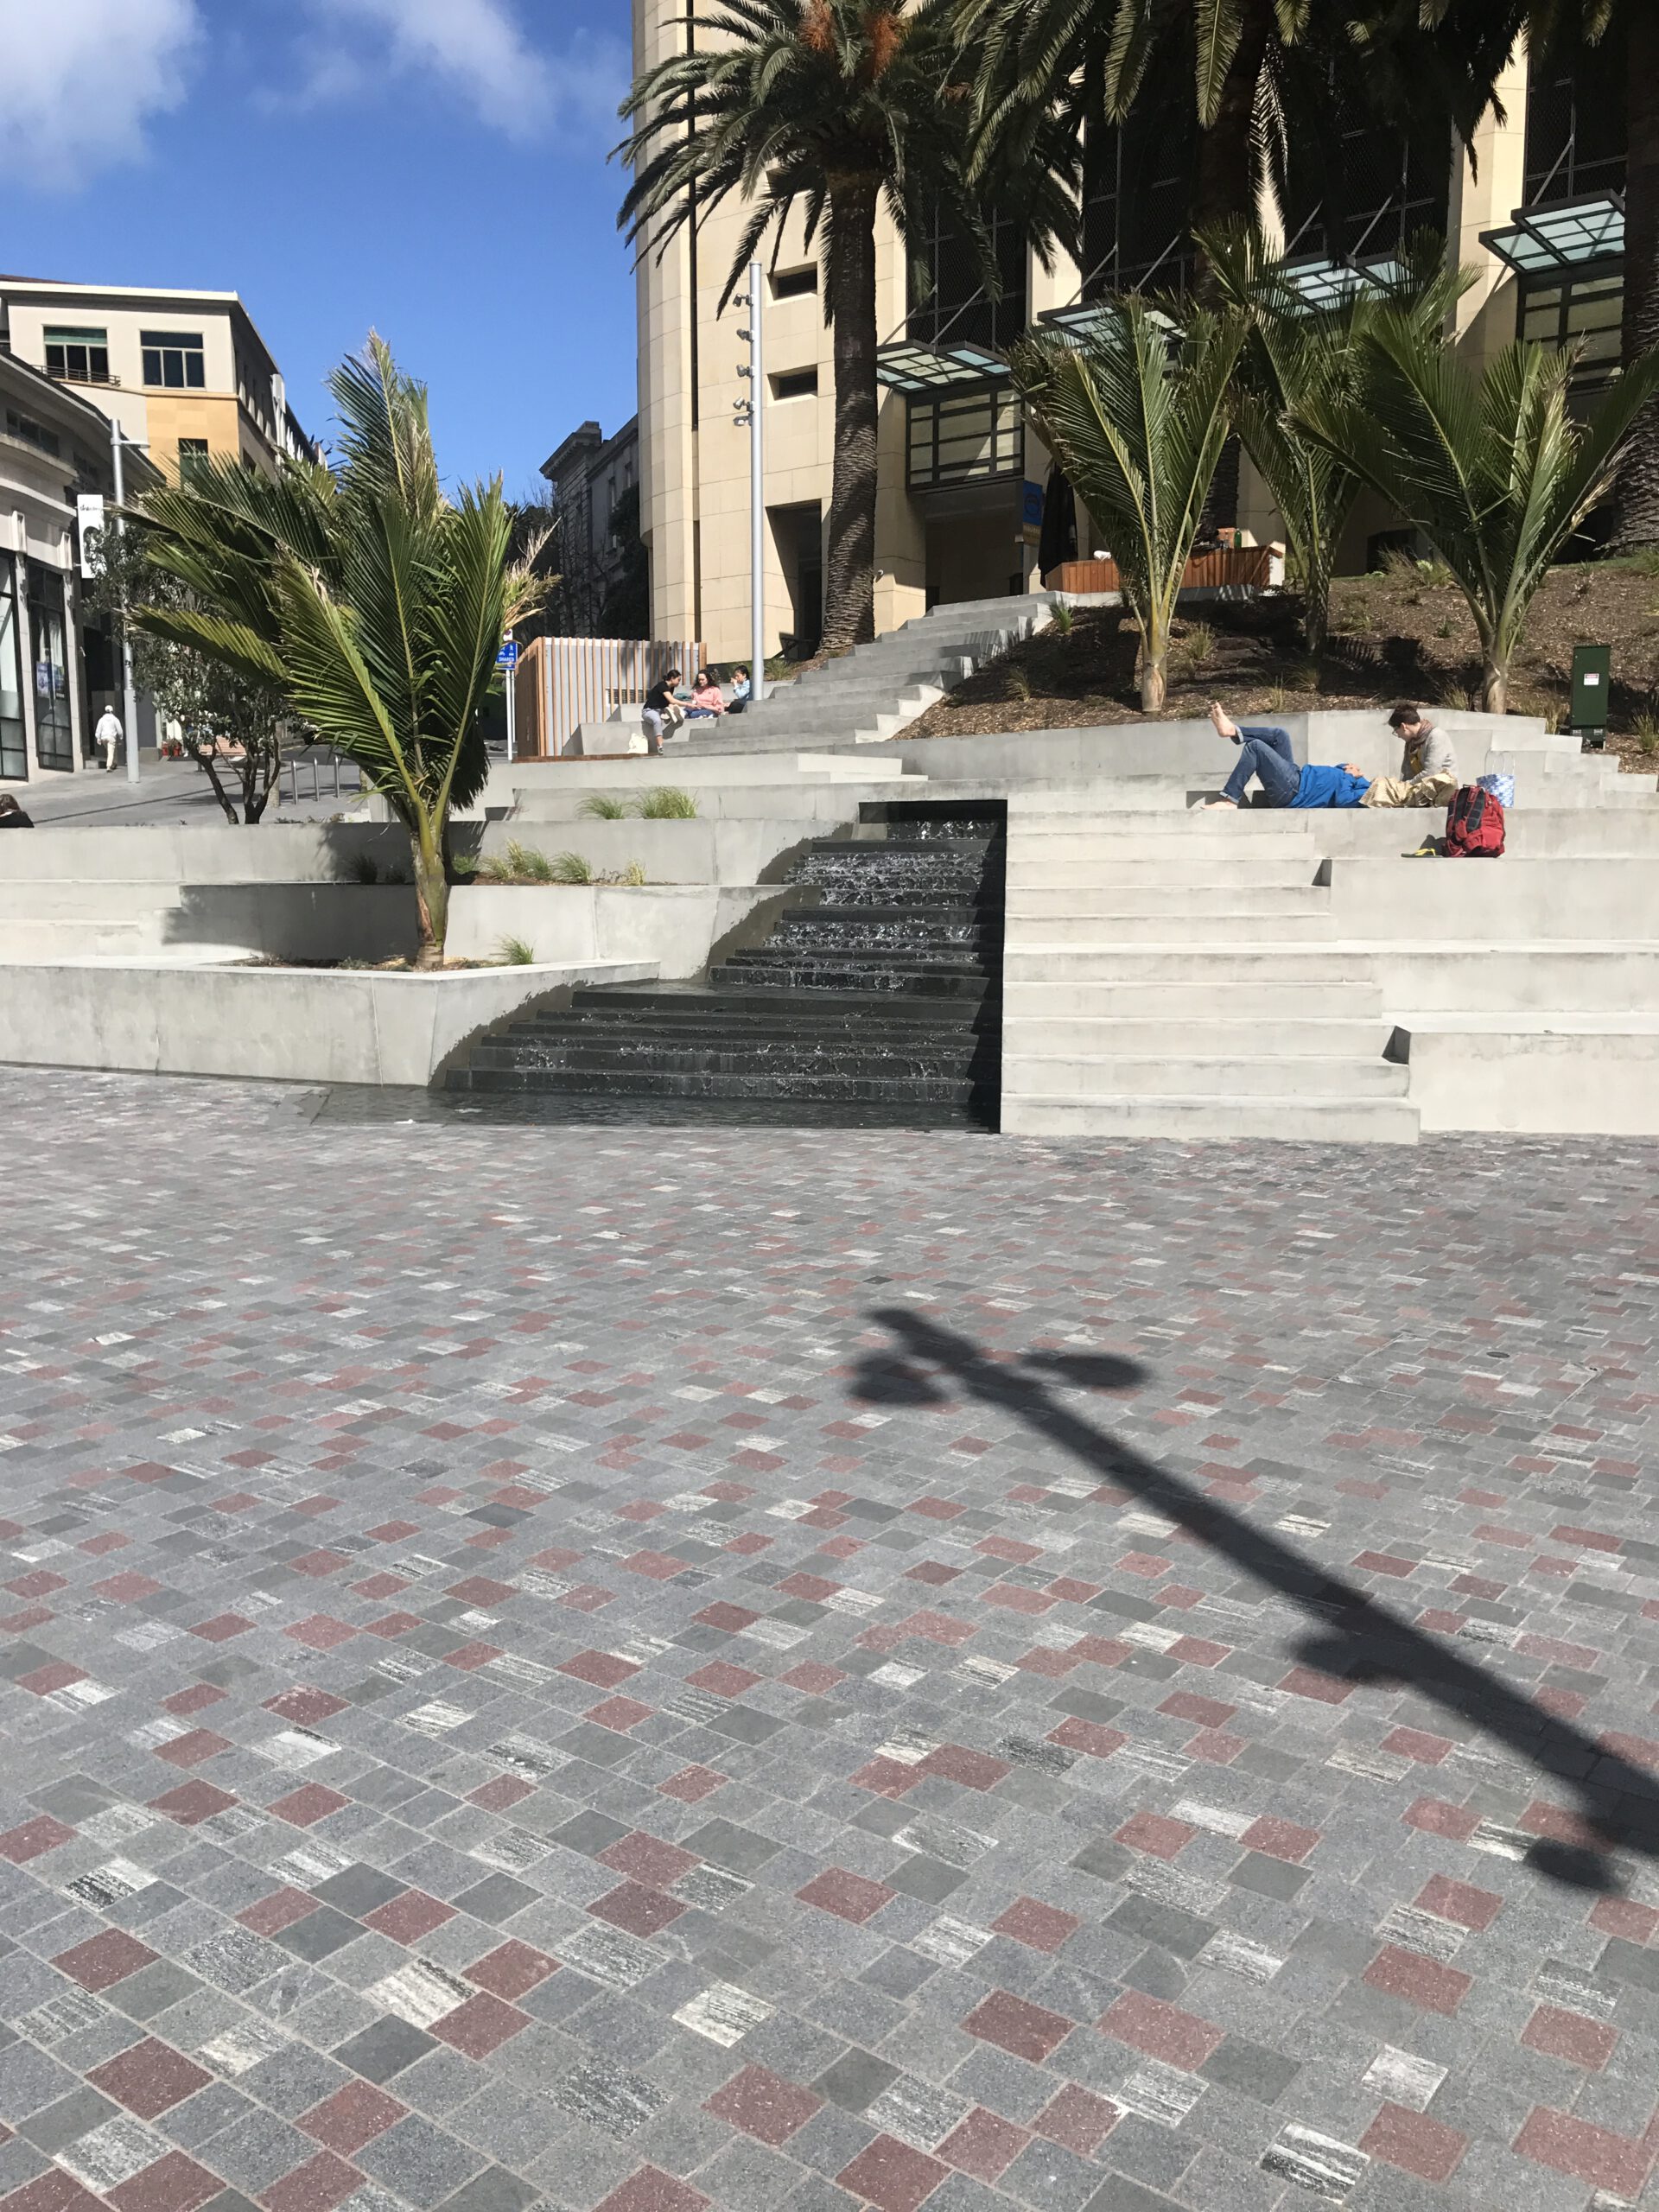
{"x": 435, "y": 169}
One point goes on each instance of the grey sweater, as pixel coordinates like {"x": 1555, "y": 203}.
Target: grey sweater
{"x": 1429, "y": 753}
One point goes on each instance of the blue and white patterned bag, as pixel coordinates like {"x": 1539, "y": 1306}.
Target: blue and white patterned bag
{"x": 1501, "y": 787}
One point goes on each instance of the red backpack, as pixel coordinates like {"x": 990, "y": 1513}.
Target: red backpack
{"x": 1474, "y": 825}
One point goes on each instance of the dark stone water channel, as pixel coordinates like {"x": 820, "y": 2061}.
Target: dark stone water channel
{"x": 876, "y": 999}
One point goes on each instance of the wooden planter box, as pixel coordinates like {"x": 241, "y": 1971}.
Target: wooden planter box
{"x": 1239, "y": 564}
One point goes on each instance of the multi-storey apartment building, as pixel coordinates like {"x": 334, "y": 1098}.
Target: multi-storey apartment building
{"x": 187, "y": 373}
{"x": 1536, "y": 212}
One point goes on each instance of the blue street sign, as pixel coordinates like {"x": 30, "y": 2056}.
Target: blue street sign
{"x": 508, "y": 656}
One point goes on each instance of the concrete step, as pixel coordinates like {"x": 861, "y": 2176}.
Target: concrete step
{"x": 1197, "y": 1119}
{"x": 1129, "y": 870}
{"x": 1110, "y": 900}
{"x": 1196, "y": 832}
{"x": 91, "y": 898}
{"x": 63, "y": 939}
{"x": 1110, "y": 1075}
{"x": 1231, "y": 929}
{"x": 1031, "y": 1036}
{"x": 1189, "y": 1006}
{"x": 1184, "y": 963}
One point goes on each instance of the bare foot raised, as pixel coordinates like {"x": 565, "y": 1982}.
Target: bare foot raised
{"x": 1224, "y": 724}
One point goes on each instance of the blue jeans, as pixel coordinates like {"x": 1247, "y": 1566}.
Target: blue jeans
{"x": 1265, "y": 754}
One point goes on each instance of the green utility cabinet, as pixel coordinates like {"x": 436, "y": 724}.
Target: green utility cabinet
{"x": 1592, "y": 670}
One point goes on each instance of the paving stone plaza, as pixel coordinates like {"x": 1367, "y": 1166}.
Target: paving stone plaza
{"x": 651, "y": 1668}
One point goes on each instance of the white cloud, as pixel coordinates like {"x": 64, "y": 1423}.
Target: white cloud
{"x": 82, "y": 77}
{"x": 475, "y": 48}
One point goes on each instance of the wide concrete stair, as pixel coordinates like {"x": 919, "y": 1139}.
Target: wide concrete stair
{"x": 876, "y": 690}
{"x": 1169, "y": 977}
{"x": 47, "y": 919}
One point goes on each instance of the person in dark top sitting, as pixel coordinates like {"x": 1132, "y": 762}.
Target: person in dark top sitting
{"x": 661, "y": 707}
{"x": 1265, "y": 755}
{"x": 11, "y": 815}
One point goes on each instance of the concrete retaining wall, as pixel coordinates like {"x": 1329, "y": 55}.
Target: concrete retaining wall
{"x": 718, "y": 851}
{"x": 1512, "y": 901}
{"x": 270, "y": 852}
{"x": 293, "y": 1025}
{"x": 1558, "y": 1075}
{"x": 675, "y": 927}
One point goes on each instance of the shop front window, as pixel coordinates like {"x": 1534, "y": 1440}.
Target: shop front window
{"x": 14, "y": 751}
{"x": 49, "y": 670}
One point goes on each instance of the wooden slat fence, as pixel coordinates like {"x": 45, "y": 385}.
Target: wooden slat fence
{"x": 564, "y": 682}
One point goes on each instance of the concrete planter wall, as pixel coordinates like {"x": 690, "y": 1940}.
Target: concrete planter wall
{"x": 270, "y": 852}
{"x": 670, "y": 852}
{"x": 304, "y": 1026}
{"x": 678, "y": 928}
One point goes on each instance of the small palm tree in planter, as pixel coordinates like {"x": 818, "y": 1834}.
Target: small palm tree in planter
{"x": 1491, "y": 464}
{"x": 1137, "y": 415}
{"x": 371, "y": 602}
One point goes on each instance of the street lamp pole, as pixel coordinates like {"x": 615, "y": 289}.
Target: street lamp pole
{"x": 130, "y": 697}
{"x": 757, "y": 493}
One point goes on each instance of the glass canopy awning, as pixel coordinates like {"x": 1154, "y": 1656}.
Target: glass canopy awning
{"x": 913, "y": 367}
{"x": 1572, "y": 235}
{"x": 1089, "y": 319}
{"x": 1322, "y": 281}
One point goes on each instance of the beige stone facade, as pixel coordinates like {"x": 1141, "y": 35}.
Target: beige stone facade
{"x": 215, "y": 389}
{"x": 972, "y": 537}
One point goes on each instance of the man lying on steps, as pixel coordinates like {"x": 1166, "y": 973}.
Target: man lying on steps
{"x": 1265, "y": 754}
{"x": 1428, "y": 770}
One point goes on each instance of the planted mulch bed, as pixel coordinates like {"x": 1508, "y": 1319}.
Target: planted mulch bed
{"x": 1403, "y": 635}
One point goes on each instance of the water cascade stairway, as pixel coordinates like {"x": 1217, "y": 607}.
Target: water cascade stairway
{"x": 875, "y": 1001}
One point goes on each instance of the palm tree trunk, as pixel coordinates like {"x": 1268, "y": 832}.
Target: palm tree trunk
{"x": 1494, "y": 684}
{"x": 1636, "y": 511}
{"x": 1226, "y": 178}
{"x": 431, "y": 894}
{"x": 850, "y": 560}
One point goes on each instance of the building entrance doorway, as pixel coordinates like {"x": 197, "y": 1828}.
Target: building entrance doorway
{"x": 49, "y": 669}
{"x": 798, "y": 533}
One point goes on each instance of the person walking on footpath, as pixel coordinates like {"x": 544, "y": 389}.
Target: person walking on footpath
{"x": 1264, "y": 753}
{"x": 1428, "y": 767}
{"x": 107, "y": 736}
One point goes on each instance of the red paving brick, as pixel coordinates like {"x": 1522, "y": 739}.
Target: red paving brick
{"x": 983, "y": 2144}
{"x": 1040, "y": 1926}
{"x": 1078, "y": 2119}
{"x": 849, "y": 1897}
{"x": 102, "y": 1961}
{"x": 317, "y": 2186}
{"x": 150, "y": 2078}
{"x": 1418, "y": 1980}
{"x": 1422, "y": 2146}
{"x": 1568, "y": 2035}
{"x": 763, "y": 2105}
{"x": 351, "y": 2117}
{"x": 1161, "y": 2031}
{"x": 892, "y": 2176}
{"x": 1029, "y": 2031}
{"x": 1590, "y": 2154}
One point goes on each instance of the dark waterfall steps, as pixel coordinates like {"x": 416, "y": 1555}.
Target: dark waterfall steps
{"x": 875, "y": 1002}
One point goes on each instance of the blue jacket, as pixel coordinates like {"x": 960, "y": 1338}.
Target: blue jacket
{"x": 1330, "y": 787}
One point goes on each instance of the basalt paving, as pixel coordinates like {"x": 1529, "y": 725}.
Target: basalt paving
{"x": 657, "y": 1668}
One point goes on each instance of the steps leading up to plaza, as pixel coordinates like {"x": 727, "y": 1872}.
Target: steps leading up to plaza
{"x": 871, "y": 693}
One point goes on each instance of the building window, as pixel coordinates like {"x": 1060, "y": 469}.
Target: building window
{"x": 193, "y": 460}
{"x": 1585, "y": 311}
{"x": 31, "y": 432}
{"x": 791, "y": 284}
{"x": 964, "y": 437}
{"x": 13, "y": 754}
{"x": 795, "y": 384}
{"x": 77, "y": 356}
{"x": 1576, "y": 127}
{"x": 952, "y": 305}
{"x": 174, "y": 358}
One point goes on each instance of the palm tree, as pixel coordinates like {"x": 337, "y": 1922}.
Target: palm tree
{"x": 1492, "y": 467}
{"x": 371, "y": 602}
{"x": 837, "y": 106}
{"x": 1295, "y": 356}
{"x": 1137, "y": 415}
{"x": 1259, "y": 68}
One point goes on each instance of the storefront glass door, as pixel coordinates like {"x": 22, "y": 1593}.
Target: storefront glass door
{"x": 49, "y": 670}
{"x": 14, "y": 751}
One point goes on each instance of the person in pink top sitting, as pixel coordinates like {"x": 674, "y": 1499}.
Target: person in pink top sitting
{"x": 707, "y": 697}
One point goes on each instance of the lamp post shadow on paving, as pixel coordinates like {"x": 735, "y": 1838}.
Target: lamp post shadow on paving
{"x": 1352, "y": 1638}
